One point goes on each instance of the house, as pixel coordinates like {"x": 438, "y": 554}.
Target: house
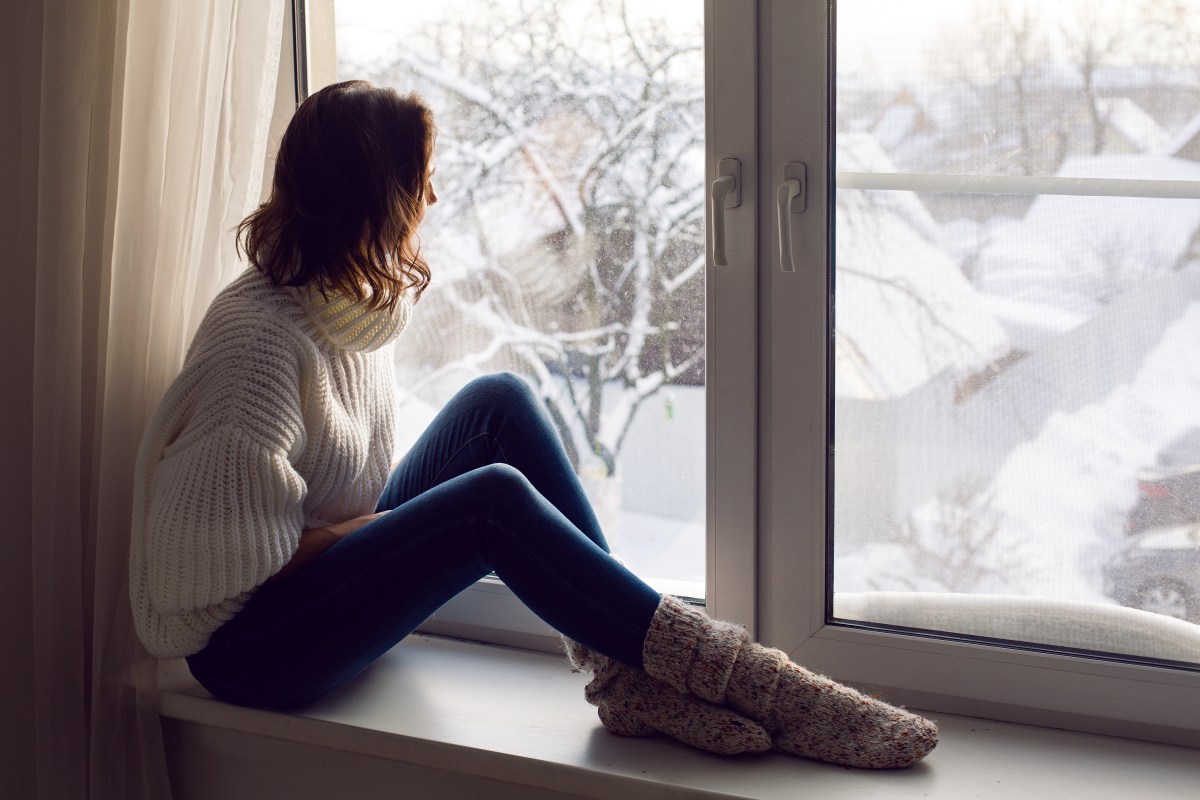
{"x": 1126, "y": 128}
{"x": 1075, "y": 254}
{"x": 903, "y": 118}
{"x": 906, "y": 315}
{"x": 1185, "y": 143}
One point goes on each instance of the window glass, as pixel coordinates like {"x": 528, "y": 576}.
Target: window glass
{"x": 1016, "y": 391}
{"x": 568, "y": 241}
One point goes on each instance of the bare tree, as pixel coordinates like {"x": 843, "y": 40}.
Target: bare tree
{"x": 1008, "y": 50}
{"x": 1171, "y": 30}
{"x": 1124, "y": 258}
{"x": 571, "y": 167}
{"x": 959, "y": 544}
{"x": 1097, "y": 34}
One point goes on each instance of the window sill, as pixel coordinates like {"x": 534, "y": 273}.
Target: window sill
{"x": 517, "y": 717}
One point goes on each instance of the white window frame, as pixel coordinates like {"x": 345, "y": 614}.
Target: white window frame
{"x": 767, "y": 104}
{"x": 992, "y": 681}
{"x": 488, "y": 611}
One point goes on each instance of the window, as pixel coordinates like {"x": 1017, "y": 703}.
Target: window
{"x": 974, "y": 209}
{"x": 1003, "y": 218}
{"x": 568, "y": 246}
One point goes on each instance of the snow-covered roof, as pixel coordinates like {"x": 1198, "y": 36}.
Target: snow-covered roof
{"x": 1072, "y": 253}
{"x": 1111, "y": 77}
{"x": 1030, "y": 325}
{"x": 1185, "y": 143}
{"x": 895, "y": 124}
{"x": 1133, "y": 124}
{"x": 904, "y": 312}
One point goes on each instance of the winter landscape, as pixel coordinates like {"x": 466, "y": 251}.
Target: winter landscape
{"x": 1014, "y": 371}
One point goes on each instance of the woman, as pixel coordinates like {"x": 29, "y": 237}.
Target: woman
{"x": 273, "y": 548}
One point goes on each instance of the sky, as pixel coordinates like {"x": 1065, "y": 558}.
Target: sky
{"x": 880, "y": 37}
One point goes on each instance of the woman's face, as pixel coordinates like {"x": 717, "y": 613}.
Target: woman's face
{"x": 428, "y": 196}
{"x": 430, "y": 192}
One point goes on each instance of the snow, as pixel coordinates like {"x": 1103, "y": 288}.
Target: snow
{"x": 1030, "y": 325}
{"x": 895, "y": 124}
{"x": 1075, "y": 253}
{"x": 905, "y": 314}
{"x": 1183, "y": 137}
{"x": 1134, "y": 125}
{"x": 661, "y": 549}
{"x": 514, "y": 154}
{"x": 1060, "y": 498}
{"x": 1065, "y": 494}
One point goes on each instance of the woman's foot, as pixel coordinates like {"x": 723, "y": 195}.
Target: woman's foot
{"x": 631, "y": 703}
{"x": 808, "y": 714}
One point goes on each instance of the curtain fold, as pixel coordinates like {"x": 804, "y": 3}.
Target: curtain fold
{"x": 154, "y": 126}
{"x": 73, "y": 172}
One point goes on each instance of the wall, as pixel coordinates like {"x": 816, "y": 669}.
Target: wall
{"x": 208, "y": 763}
{"x": 20, "y": 63}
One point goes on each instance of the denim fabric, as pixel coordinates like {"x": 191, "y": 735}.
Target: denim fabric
{"x": 487, "y": 487}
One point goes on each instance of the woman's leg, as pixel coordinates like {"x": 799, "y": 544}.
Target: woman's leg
{"x": 494, "y": 419}
{"x": 300, "y": 637}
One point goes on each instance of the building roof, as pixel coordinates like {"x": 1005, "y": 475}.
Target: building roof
{"x": 905, "y": 314}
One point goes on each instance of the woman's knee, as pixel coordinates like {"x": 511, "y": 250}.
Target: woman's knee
{"x": 501, "y": 481}
{"x": 503, "y": 387}
{"x": 506, "y": 493}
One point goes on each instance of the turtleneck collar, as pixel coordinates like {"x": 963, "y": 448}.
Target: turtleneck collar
{"x": 352, "y": 325}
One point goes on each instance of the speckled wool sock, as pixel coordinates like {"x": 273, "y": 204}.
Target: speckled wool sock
{"x": 809, "y": 714}
{"x": 631, "y": 703}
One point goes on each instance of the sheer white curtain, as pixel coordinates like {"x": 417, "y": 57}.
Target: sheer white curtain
{"x": 154, "y": 121}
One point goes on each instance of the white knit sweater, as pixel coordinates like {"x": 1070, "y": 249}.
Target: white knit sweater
{"x": 281, "y": 419}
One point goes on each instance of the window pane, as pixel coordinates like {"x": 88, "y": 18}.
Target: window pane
{"x": 568, "y": 241}
{"x": 1017, "y": 307}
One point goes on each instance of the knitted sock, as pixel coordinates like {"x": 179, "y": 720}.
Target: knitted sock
{"x": 631, "y": 703}
{"x": 809, "y": 714}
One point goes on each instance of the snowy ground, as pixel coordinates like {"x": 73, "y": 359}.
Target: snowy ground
{"x": 667, "y": 553}
{"x": 1060, "y": 499}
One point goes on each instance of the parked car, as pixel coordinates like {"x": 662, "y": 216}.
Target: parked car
{"x": 1159, "y": 570}
{"x": 1169, "y": 492}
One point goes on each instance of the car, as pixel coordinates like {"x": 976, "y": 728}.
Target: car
{"x": 1169, "y": 492}
{"x": 1159, "y": 571}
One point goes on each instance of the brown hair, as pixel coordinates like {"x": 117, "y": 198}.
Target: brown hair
{"x": 347, "y": 196}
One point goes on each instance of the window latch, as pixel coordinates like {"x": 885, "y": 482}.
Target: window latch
{"x": 726, "y": 193}
{"x": 791, "y": 198}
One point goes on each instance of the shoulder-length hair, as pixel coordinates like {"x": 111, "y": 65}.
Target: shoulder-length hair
{"x": 347, "y": 196}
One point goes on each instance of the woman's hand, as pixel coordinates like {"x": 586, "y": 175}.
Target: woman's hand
{"x": 314, "y": 541}
{"x": 350, "y": 526}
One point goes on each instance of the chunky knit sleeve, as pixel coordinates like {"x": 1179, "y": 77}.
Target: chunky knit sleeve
{"x": 218, "y": 500}
{"x": 225, "y": 514}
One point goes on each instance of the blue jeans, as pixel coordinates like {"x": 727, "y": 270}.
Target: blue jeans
{"x": 487, "y": 487}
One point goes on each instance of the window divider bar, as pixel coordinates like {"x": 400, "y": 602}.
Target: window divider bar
{"x": 1018, "y": 185}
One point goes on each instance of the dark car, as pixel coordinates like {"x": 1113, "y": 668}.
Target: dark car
{"x": 1169, "y": 492}
{"x": 1159, "y": 570}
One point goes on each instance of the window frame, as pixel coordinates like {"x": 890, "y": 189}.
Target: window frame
{"x": 933, "y": 673}
{"x": 488, "y": 611}
{"x": 768, "y": 62}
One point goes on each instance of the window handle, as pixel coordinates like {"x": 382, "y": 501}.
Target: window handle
{"x": 726, "y": 193}
{"x": 790, "y": 198}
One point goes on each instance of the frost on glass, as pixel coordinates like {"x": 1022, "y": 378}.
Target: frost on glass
{"x": 1017, "y": 376}
{"x": 568, "y": 243}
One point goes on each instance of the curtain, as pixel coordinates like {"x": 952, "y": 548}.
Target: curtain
{"x": 153, "y": 132}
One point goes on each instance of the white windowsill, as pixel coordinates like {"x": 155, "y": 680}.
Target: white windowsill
{"x": 519, "y": 717}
